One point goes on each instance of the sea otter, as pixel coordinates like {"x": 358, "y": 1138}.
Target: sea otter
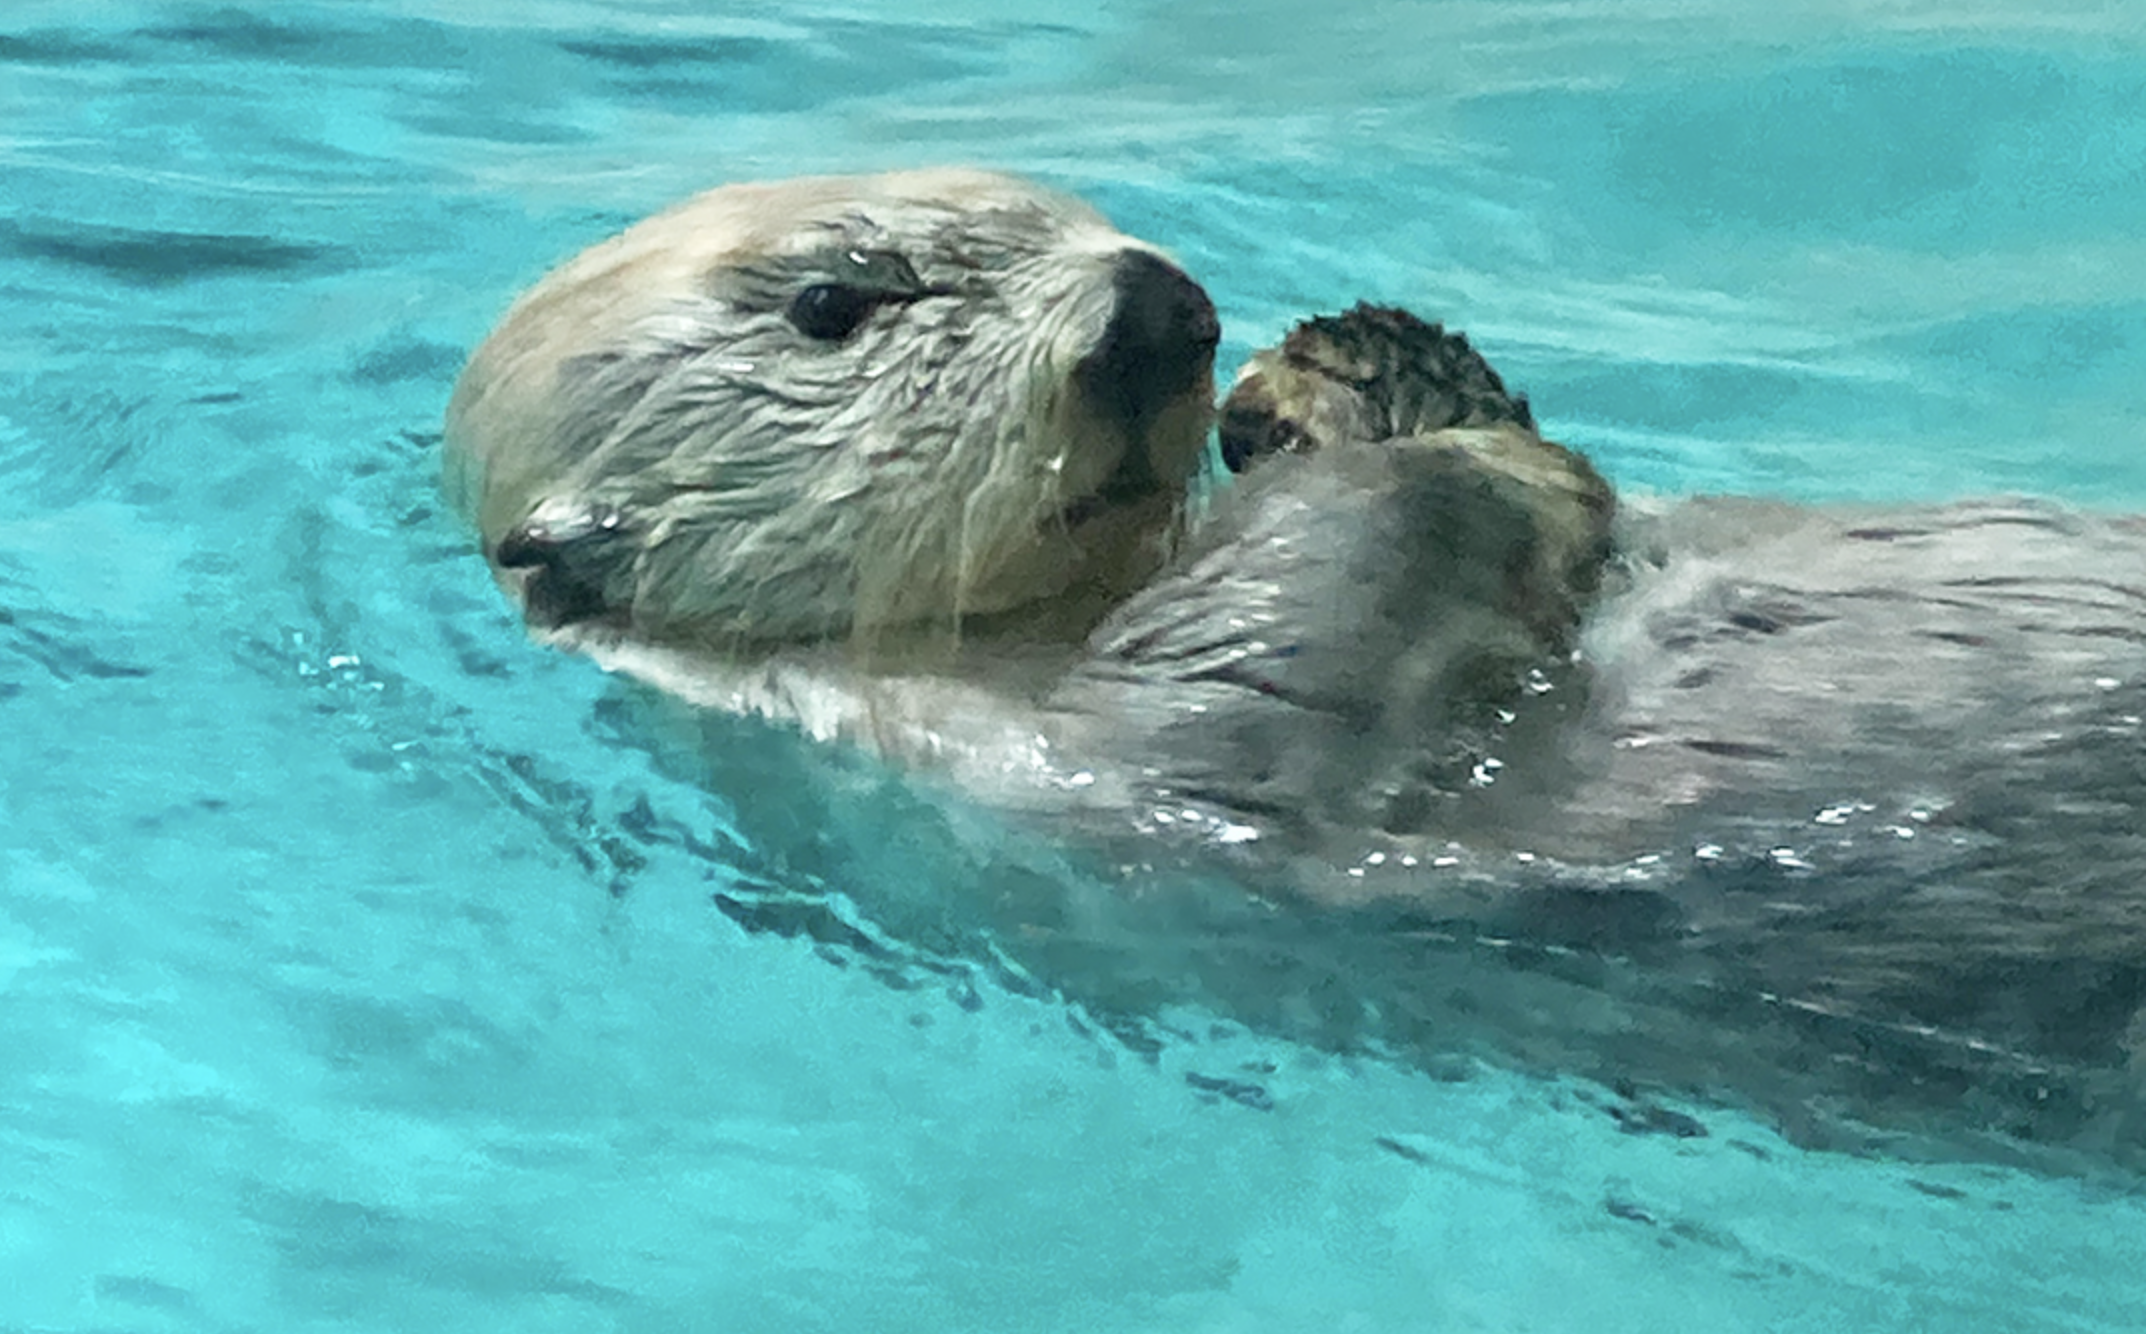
{"x": 1819, "y": 807}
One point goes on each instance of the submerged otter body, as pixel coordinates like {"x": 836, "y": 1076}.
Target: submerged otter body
{"x": 1835, "y": 808}
{"x": 1879, "y": 771}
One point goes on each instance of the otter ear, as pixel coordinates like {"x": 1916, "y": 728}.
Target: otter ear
{"x": 572, "y": 550}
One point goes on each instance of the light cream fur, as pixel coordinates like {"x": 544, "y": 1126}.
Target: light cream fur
{"x": 773, "y": 491}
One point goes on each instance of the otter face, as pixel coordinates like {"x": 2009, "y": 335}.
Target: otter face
{"x": 821, "y": 408}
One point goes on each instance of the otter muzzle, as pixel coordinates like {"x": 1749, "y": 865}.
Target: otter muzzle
{"x": 1158, "y": 347}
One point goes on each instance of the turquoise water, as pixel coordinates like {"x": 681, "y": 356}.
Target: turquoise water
{"x": 359, "y": 969}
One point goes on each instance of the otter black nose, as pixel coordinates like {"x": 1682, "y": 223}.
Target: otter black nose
{"x": 1160, "y": 341}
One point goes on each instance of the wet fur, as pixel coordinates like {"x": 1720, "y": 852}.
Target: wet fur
{"x": 649, "y": 433}
{"x": 1420, "y": 743}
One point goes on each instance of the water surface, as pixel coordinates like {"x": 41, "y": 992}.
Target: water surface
{"x": 355, "y": 972}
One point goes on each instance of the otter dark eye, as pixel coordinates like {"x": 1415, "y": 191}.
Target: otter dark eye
{"x": 831, "y": 312}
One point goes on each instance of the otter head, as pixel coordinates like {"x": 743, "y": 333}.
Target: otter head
{"x": 825, "y": 408}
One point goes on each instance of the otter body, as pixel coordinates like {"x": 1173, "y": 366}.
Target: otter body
{"x": 1855, "y": 797}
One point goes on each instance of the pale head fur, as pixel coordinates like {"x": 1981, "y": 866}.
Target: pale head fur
{"x": 749, "y": 486}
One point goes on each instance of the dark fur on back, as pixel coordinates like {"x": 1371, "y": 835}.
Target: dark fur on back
{"x": 1425, "y": 745}
{"x": 1865, "y": 787}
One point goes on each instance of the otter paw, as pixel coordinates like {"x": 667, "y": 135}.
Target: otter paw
{"x": 1366, "y": 374}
